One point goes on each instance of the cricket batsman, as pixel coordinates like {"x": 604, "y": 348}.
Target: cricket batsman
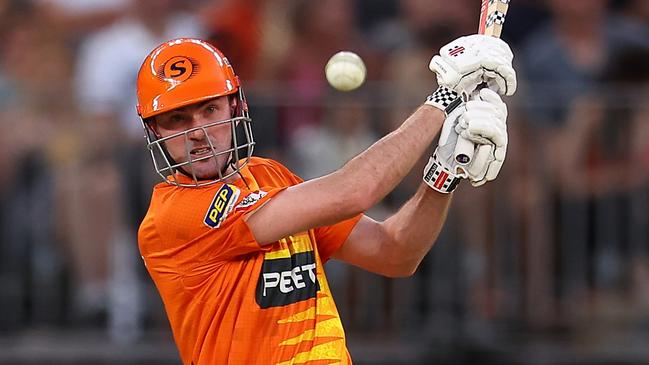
{"x": 236, "y": 244}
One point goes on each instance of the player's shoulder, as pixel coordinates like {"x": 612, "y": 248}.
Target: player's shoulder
{"x": 260, "y": 167}
{"x": 261, "y": 162}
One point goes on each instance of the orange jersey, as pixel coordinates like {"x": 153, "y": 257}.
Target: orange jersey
{"x": 230, "y": 300}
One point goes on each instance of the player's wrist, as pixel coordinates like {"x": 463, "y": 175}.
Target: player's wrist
{"x": 439, "y": 176}
{"x": 444, "y": 99}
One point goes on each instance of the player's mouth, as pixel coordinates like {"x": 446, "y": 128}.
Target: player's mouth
{"x": 200, "y": 152}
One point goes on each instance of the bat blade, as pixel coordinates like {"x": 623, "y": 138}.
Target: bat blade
{"x": 492, "y": 17}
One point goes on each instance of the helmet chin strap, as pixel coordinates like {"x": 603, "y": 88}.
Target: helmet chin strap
{"x": 234, "y": 110}
{"x": 231, "y": 163}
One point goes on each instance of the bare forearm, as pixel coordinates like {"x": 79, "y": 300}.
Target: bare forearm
{"x": 412, "y": 231}
{"x": 379, "y": 169}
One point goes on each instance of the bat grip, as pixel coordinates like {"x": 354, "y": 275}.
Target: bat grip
{"x": 464, "y": 150}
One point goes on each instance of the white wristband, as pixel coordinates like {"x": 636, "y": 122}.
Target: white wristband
{"x": 440, "y": 178}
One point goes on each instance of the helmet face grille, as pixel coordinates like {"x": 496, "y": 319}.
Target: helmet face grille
{"x": 236, "y": 156}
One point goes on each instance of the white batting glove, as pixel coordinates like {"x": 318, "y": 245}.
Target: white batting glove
{"x": 482, "y": 121}
{"x": 485, "y": 124}
{"x": 469, "y": 61}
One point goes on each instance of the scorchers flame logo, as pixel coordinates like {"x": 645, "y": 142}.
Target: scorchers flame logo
{"x": 178, "y": 69}
{"x": 288, "y": 275}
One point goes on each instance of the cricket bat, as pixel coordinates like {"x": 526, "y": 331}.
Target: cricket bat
{"x": 492, "y": 18}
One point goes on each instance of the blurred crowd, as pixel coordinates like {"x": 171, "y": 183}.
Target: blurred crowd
{"x": 560, "y": 238}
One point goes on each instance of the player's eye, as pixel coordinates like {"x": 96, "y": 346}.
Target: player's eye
{"x": 172, "y": 121}
{"x": 176, "y": 118}
{"x": 211, "y": 109}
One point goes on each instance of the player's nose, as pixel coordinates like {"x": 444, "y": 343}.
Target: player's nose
{"x": 196, "y": 132}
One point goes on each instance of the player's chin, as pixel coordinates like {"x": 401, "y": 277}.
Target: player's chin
{"x": 207, "y": 169}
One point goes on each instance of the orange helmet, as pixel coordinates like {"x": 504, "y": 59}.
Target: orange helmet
{"x": 181, "y": 72}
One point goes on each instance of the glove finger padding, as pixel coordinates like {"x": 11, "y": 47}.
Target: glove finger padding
{"x": 493, "y": 169}
{"x": 479, "y": 166}
{"x": 484, "y": 129}
{"x": 446, "y": 74}
{"x": 484, "y": 123}
{"x": 494, "y": 99}
{"x": 486, "y": 166}
{"x": 484, "y": 120}
{"x": 470, "y": 81}
{"x": 497, "y": 62}
{"x": 495, "y": 81}
{"x": 463, "y": 64}
{"x": 503, "y": 80}
{"x": 467, "y": 77}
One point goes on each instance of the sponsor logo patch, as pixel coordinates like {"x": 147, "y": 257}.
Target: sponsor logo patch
{"x": 456, "y": 51}
{"x": 221, "y": 205}
{"x": 251, "y": 199}
{"x": 289, "y": 280}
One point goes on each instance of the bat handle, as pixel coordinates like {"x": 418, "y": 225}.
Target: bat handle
{"x": 464, "y": 150}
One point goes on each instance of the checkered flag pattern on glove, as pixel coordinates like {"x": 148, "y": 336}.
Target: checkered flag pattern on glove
{"x": 468, "y": 61}
{"x": 444, "y": 99}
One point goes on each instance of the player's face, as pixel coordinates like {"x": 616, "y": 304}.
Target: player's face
{"x": 195, "y": 144}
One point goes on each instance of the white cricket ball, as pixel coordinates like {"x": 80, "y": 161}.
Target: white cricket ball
{"x": 345, "y": 71}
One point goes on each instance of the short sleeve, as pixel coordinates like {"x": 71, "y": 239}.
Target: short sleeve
{"x": 233, "y": 237}
{"x": 330, "y": 238}
{"x": 198, "y": 227}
